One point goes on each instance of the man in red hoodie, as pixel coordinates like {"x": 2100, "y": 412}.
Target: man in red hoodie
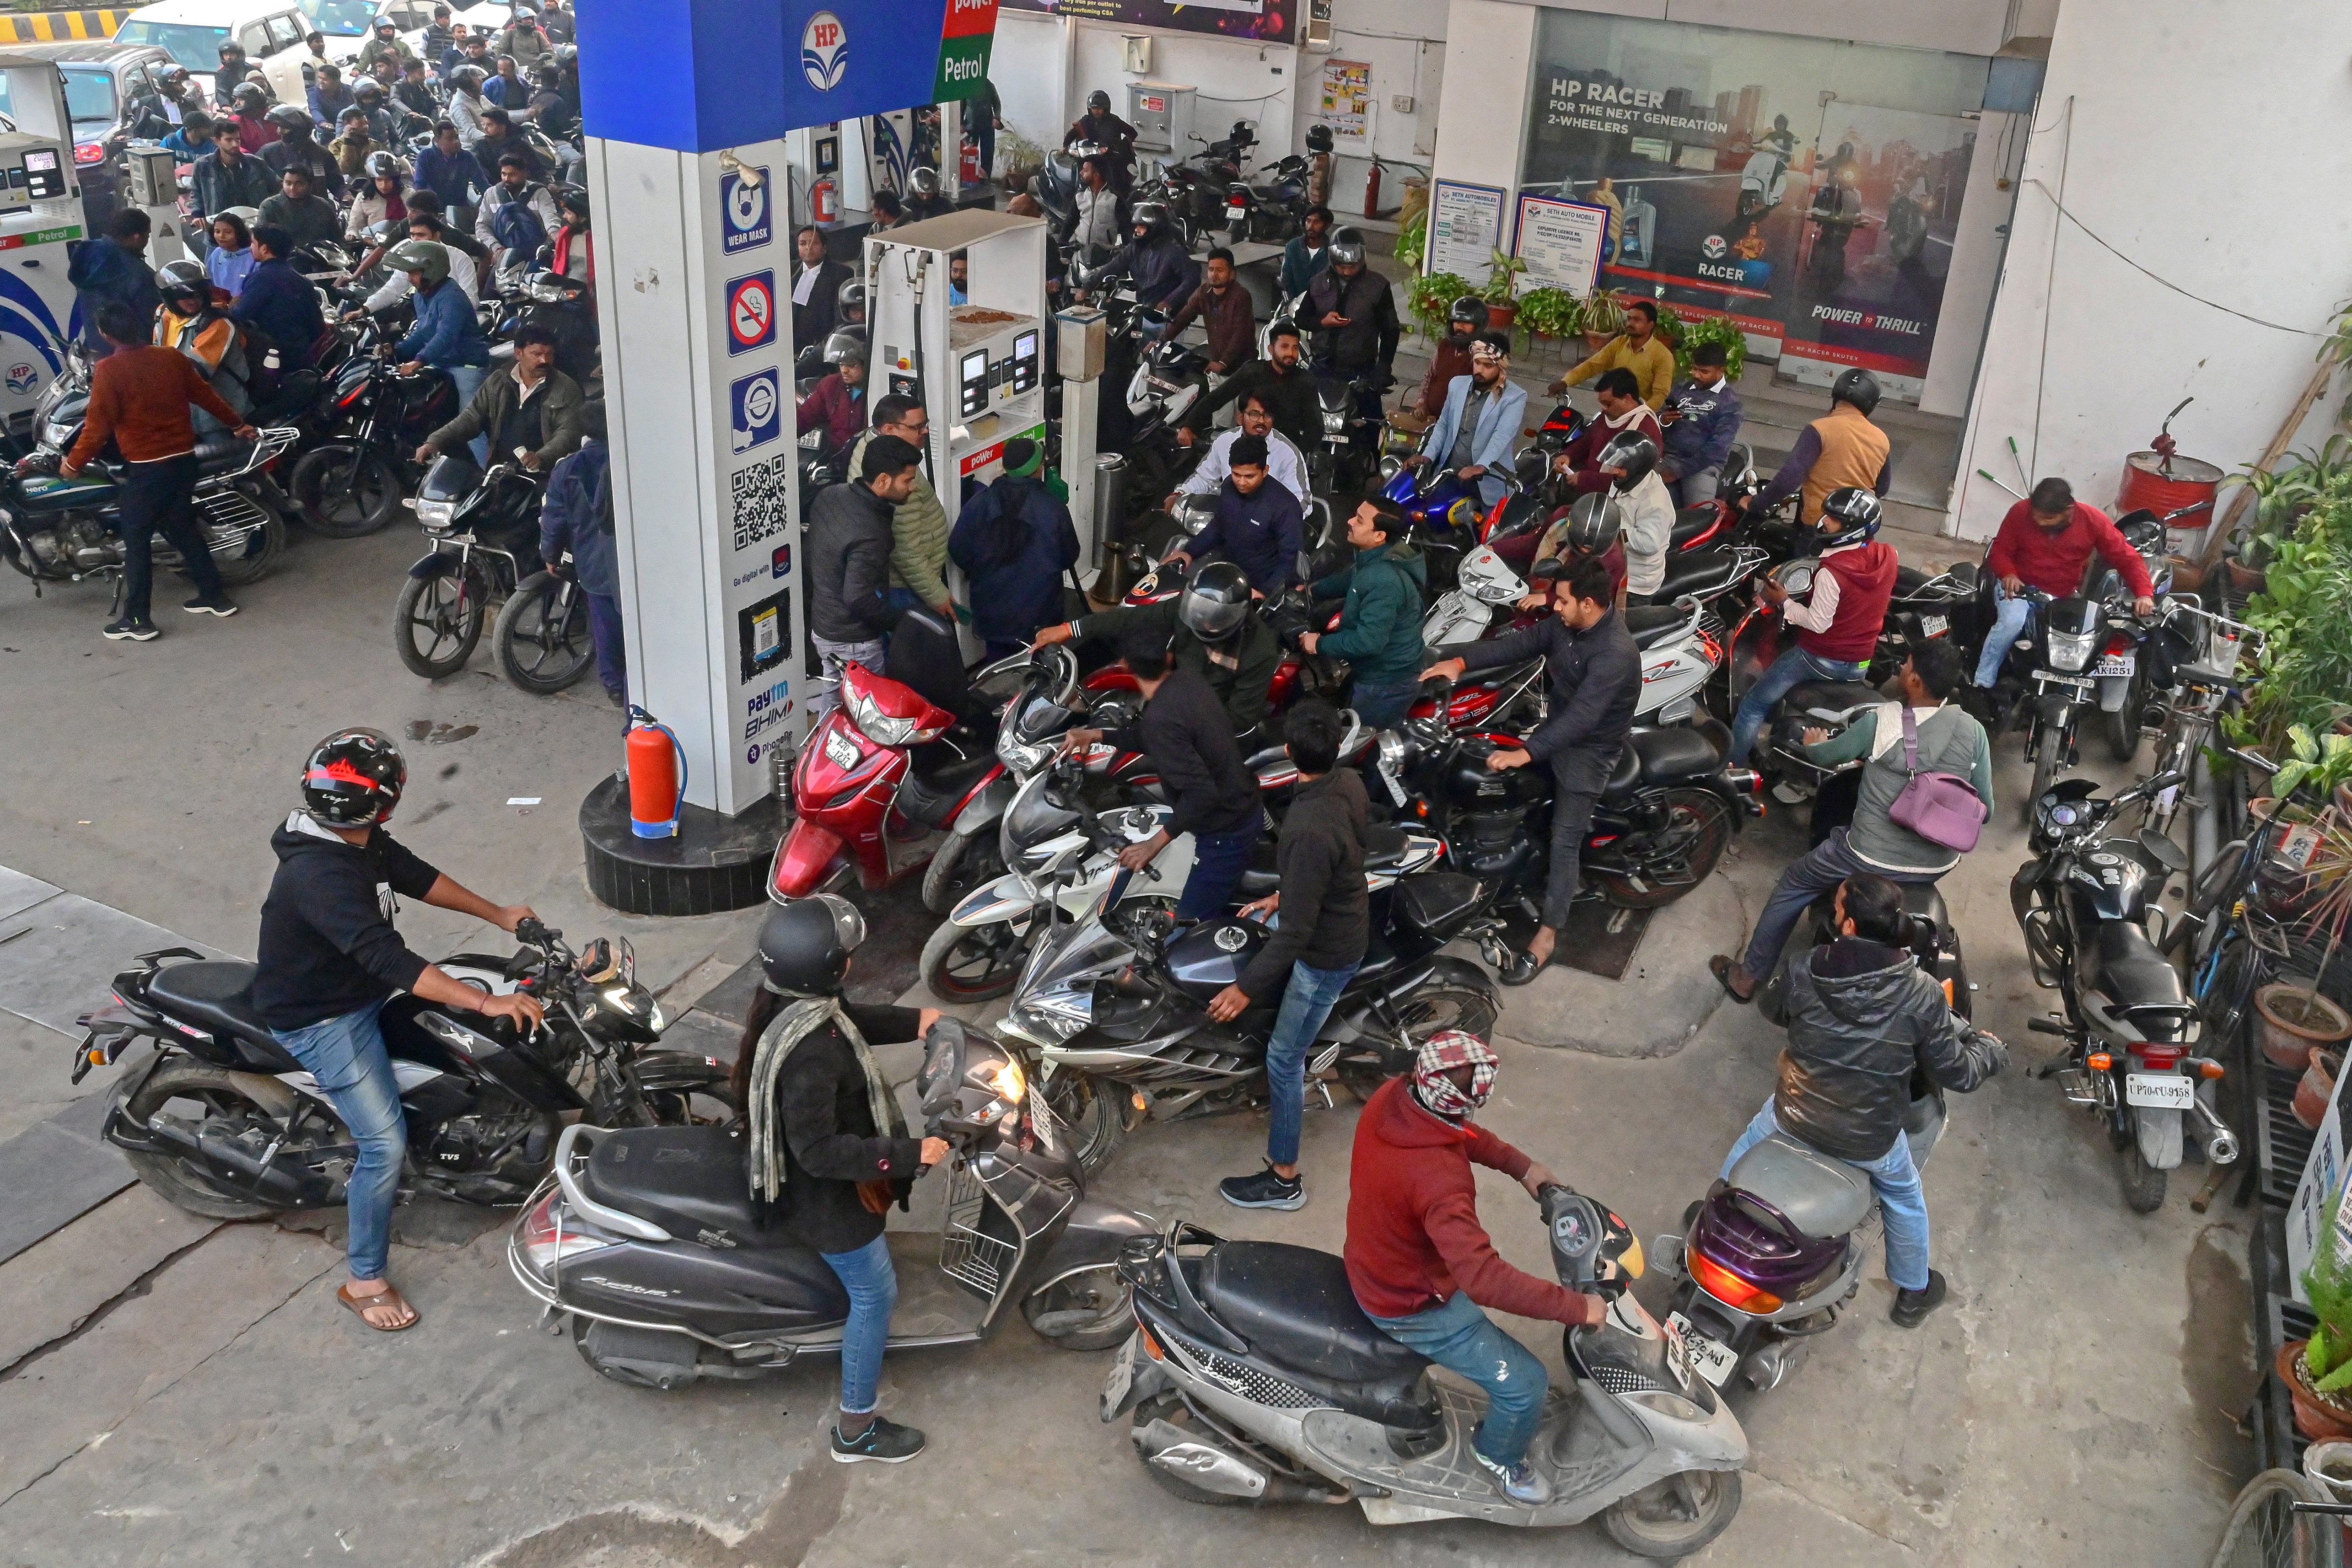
{"x": 1421, "y": 1264}
{"x": 1838, "y": 624}
{"x": 2045, "y": 542}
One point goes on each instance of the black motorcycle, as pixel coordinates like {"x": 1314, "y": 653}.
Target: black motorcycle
{"x": 353, "y": 481}
{"x": 222, "y": 1121}
{"x": 484, "y": 530}
{"x": 2086, "y": 903}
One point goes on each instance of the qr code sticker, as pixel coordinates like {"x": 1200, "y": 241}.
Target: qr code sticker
{"x": 760, "y": 500}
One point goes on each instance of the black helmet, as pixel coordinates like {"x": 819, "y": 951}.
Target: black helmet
{"x": 1856, "y": 512}
{"x": 231, "y": 46}
{"x": 379, "y": 164}
{"x": 1635, "y": 454}
{"x": 1593, "y": 523}
{"x": 173, "y": 75}
{"x": 1347, "y": 247}
{"x": 1150, "y": 218}
{"x": 354, "y": 777}
{"x": 846, "y": 346}
{"x": 923, "y": 182}
{"x": 574, "y": 199}
{"x": 1215, "y": 604}
{"x": 1469, "y": 313}
{"x": 469, "y": 77}
{"x": 178, "y": 279}
{"x": 248, "y": 91}
{"x": 1319, "y": 138}
{"x": 288, "y": 118}
{"x": 851, "y": 296}
{"x": 1098, "y": 102}
{"x": 804, "y": 946}
{"x": 1859, "y": 388}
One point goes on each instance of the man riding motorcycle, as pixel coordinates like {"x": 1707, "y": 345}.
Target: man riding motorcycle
{"x": 1645, "y": 510}
{"x": 2045, "y": 542}
{"x": 1161, "y": 271}
{"x": 1838, "y": 622}
{"x": 1099, "y": 126}
{"x": 1212, "y": 632}
{"x": 1843, "y": 447}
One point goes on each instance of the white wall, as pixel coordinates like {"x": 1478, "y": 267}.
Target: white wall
{"x": 1236, "y": 81}
{"x": 2121, "y": 347}
{"x": 1975, "y": 270}
{"x": 1030, "y": 65}
{"x": 1404, "y": 43}
{"x": 1489, "y": 49}
{"x": 1964, "y": 26}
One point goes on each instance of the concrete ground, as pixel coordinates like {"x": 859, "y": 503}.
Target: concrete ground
{"x": 173, "y": 1391}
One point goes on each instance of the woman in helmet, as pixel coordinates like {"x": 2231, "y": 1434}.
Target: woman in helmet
{"x": 829, "y": 1151}
{"x": 1837, "y": 622}
{"x": 197, "y": 326}
{"x": 382, "y": 199}
{"x": 328, "y": 961}
{"x": 1213, "y": 632}
{"x": 836, "y": 406}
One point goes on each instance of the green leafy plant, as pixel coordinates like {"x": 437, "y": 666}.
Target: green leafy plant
{"x": 2283, "y": 494}
{"x": 1430, "y": 299}
{"x": 1413, "y": 240}
{"x": 1503, "y": 278}
{"x": 1604, "y": 314}
{"x": 2327, "y": 1285}
{"x": 1721, "y": 329}
{"x": 1551, "y": 313}
{"x": 2304, "y": 605}
{"x": 2317, "y": 763}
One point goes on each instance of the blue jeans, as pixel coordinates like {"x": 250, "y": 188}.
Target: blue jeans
{"x": 1901, "y": 1200}
{"x": 1307, "y": 1001}
{"x": 872, "y": 1287}
{"x": 346, "y": 1055}
{"x": 469, "y": 380}
{"x": 2012, "y": 619}
{"x": 1384, "y": 705}
{"x": 1462, "y": 1339}
{"x": 1793, "y": 669}
{"x": 1809, "y": 876}
{"x": 1218, "y": 862}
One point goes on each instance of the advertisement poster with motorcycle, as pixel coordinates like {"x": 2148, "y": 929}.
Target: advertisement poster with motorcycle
{"x": 1766, "y": 179}
{"x": 1266, "y": 21}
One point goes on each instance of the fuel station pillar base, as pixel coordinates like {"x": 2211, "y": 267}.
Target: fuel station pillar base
{"x": 713, "y": 863}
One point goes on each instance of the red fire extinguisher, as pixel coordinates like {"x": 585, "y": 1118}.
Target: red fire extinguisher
{"x": 1373, "y": 191}
{"x": 657, "y": 777}
{"x": 973, "y": 173}
{"x": 825, "y": 205}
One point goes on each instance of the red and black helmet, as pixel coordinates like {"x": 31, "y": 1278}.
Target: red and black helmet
{"x": 353, "y": 778}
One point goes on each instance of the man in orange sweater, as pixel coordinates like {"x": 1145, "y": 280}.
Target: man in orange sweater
{"x": 140, "y": 395}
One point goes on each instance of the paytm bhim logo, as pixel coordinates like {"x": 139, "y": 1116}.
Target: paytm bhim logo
{"x": 825, "y": 51}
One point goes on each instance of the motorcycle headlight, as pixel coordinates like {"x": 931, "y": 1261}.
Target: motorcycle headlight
{"x": 1673, "y": 1406}
{"x": 876, "y": 725}
{"x": 435, "y": 514}
{"x": 2070, "y": 652}
{"x": 1335, "y": 421}
{"x": 59, "y": 435}
{"x": 1390, "y": 468}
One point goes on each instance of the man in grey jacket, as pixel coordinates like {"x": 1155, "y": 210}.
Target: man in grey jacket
{"x": 1861, "y": 1016}
{"x": 849, "y": 541}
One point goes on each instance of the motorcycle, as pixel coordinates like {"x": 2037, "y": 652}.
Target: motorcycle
{"x": 1763, "y": 183}
{"x": 1271, "y": 209}
{"x": 223, "y": 1122}
{"x": 353, "y": 481}
{"x": 1253, "y": 1376}
{"x": 1170, "y": 378}
{"x": 1342, "y": 459}
{"x": 2086, "y": 905}
{"x": 647, "y": 1243}
{"x": 1773, "y": 1256}
{"x": 482, "y": 527}
{"x": 2074, "y": 644}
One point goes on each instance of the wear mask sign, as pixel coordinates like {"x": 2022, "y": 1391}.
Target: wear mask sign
{"x": 1810, "y": 189}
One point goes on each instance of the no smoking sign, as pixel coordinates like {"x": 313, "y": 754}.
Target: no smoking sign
{"x": 751, "y": 312}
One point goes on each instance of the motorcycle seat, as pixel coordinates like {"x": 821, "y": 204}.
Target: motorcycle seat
{"x": 220, "y": 449}
{"x": 1295, "y": 1307}
{"x": 1692, "y": 523}
{"x": 938, "y": 780}
{"x": 218, "y": 994}
{"x": 2132, "y": 971}
{"x": 687, "y": 1180}
{"x": 1698, "y": 571}
{"x": 1676, "y": 754}
{"x": 1652, "y": 625}
{"x": 297, "y": 389}
{"x": 1822, "y": 1198}
{"x": 1829, "y": 697}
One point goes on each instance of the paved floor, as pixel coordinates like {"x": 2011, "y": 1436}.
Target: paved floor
{"x": 176, "y": 1391}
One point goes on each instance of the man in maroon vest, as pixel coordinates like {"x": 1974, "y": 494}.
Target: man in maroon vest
{"x": 1838, "y": 624}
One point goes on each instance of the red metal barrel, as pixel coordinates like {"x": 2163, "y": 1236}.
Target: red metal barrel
{"x": 2164, "y": 486}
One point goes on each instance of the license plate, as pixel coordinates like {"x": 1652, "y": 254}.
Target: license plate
{"x": 1389, "y": 778}
{"x": 841, "y": 748}
{"x": 1934, "y": 626}
{"x": 2054, "y": 678}
{"x": 2116, "y": 665}
{"x": 2162, "y": 1090}
{"x": 1122, "y": 1378}
{"x": 1714, "y": 1362}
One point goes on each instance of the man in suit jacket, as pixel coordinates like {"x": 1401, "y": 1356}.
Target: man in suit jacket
{"x": 815, "y": 282}
{"x": 1475, "y": 434}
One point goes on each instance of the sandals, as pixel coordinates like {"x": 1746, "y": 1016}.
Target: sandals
{"x": 1720, "y": 967}
{"x": 388, "y": 1296}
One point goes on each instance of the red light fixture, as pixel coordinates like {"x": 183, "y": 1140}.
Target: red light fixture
{"x": 1729, "y": 1288}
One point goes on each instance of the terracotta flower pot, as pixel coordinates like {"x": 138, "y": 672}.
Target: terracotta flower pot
{"x": 2317, "y": 1082}
{"x": 1500, "y": 316}
{"x": 2188, "y": 576}
{"x": 2293, "y": 1020}
{"x": 1596, "y": 342}
{"x": 2247, "y": 579}
{"x": 2318, "y": 1417}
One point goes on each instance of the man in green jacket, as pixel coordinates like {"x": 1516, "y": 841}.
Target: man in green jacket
{"x": 530, "y": 414}
{"x": 918, "y": 524}
{"x": 1214, "y": 632}
{"x": 1379, "y": 627}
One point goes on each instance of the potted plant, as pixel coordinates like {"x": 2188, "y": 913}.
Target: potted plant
{"x": 1551, "y": 313}
{"x": 1413, "y": 240}
{"x": 1604, "y": 317}
{"x": 1431, "y": 297}
{"x": 1721, "y": 329}
{"x": 1022, "y": 159}
{"x": 2298, "y": 1015}
{"x": 1502, "y": 282}
{"x": 2317, "y": 1371}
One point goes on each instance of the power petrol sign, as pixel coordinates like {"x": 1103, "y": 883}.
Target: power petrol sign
{"x": 696, "y": 76}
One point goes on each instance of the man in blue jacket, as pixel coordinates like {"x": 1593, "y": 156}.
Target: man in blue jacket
{"x": 1156, "y": 263}
{"x": 112, "y": 271}
{"x": 1702, "y": 419}
{"x": 447, "y": 336}
{"x": 1475, "y": 434}
{"x": 278, "y": 301}
{"x": 578, "y": 518}
{"x": 1260, "y": 528}
{"x": 1014, "y": 541}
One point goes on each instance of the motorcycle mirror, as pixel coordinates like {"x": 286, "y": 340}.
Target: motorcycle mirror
{"x": 2163, "y": 851}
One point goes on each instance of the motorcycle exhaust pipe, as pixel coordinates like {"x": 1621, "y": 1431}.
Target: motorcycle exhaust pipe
{"x": 2220, "y": 1144}
{"x": 276, "y": 1183}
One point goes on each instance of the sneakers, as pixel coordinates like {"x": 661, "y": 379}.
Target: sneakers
{"x": 126, "y": 630}
{"x": 1912, "y": 1307}
{"x": 1522, "y": 1482}
{"x": 1264, "y": 1191}
{"x": 210, "y": 604}
{"x": 885, "y": 1442}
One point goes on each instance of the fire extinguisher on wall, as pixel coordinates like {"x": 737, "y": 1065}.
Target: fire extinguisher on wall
{"x": 657, "y": 777}
{"x": 824, "y": 201}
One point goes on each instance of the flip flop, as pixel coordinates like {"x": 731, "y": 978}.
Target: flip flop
{"x": 389, "y": 1296}
{"x": 1720, "y": 967}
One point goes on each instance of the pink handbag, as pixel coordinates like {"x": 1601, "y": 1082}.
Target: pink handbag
{"x": 1941, "y": 808}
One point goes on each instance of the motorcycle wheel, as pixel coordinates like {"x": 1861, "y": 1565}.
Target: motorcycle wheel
{"x": 437, "y": 620}
{"x": 1677, "y": 1516}
{"x": 258, "y": 557}
{"x": 1173, "y": 1409}
{"x": 215, "y": 1089}
{"x": 1094, "y": 1112}
{"x": 542, "y": 648}
{"x": 1698, "y": 827}
{"x": 2144, "y": 1184}
{"x": 345, "y": 490}
{"x": 967, "y": 862}
{"x": 2048, "y": 747}
{"x": 1084, "y": 1311}
{"x": 2124, "y": 724}
{"x": 974, "y": 963}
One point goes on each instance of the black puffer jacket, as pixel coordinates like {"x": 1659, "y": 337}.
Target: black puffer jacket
{"x": 849, "y": 564}
{"x": 1327, "y": 915}
{"x": 1861, "y": 1018}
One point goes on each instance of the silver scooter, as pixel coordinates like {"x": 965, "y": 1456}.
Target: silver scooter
{"x": 1254, "y": 1376}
